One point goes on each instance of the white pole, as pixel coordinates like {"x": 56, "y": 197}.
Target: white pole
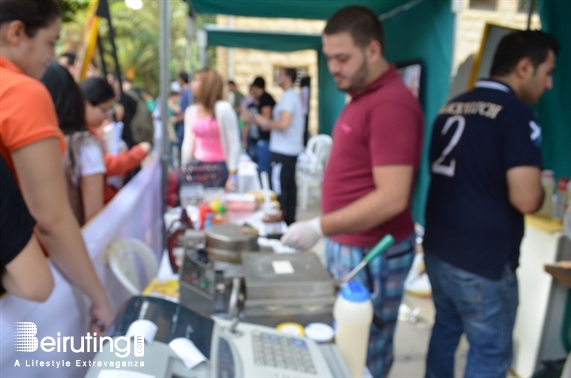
{"x": 164, "y": 79}
{"x": 201, "y": 39}
{"x": 190, "y": 32}
{"x": 230, "y": 73}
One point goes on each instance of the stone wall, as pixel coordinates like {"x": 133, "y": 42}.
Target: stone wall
{"x": 471, "y": 22}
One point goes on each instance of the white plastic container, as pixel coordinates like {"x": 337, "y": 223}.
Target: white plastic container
{"x": 353, "y": 313}
{"x": 320, "y": 332}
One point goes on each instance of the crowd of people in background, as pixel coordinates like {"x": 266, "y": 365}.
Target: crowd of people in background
{"x": 201, "y": 129}
{"x": 208, "y": 127}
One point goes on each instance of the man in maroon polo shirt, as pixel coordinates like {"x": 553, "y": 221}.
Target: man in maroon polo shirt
{"x": 367, "y": 185}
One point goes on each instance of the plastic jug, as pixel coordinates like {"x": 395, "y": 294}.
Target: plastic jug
{"x": 353, "y": 313}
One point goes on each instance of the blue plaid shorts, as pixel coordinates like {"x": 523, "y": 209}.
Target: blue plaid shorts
{"x": 384, "y": 276}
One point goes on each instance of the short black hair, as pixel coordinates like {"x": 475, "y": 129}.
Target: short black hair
{"x": 259, "y": 82}
{"x": 532, "y": 44}
{"x": 184, "y": 77}
{"x": 70, "y": 56}
{"x": 360, "y": 22}
{"x": 292, "y": 73}
{"x": 96, "y": 90}
{"x": 230, "y": 81}
{"x": 35, "y": 14}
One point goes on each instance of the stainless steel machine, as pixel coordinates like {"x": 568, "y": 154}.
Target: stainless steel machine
{"x": 231, "y": 276}
{"x": 285, "y": 287}
{"x": 211, "y": 275}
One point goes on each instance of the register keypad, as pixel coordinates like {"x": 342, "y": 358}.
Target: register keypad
{"x": 283, "y": 352}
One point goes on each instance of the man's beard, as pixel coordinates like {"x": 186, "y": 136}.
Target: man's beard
{"x": 358, "y": 81}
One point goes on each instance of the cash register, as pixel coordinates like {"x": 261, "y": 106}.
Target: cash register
{"x": 232, "y": 348}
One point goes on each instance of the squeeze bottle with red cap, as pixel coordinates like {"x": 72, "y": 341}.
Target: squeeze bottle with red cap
{"x": 353, "y": 313}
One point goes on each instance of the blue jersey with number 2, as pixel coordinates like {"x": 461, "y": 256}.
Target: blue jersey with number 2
{"x": 477, "y": 138}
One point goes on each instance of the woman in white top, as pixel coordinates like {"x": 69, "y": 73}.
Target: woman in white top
{"x": 211, "y": 128}
{"x": 83, "y": 161}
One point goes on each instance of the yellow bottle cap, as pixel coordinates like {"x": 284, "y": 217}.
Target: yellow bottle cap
{"x": 290, "y": 328}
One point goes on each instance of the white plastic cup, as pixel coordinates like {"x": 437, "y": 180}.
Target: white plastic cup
{"x": 353, "y": 313}
{"x": 319, "y": 332}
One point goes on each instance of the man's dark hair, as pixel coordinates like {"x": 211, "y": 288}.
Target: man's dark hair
{"x": 360, "y": 22}
{"x": 184, "y": 77}
{"x": 231, "y": 82}
{"x": 291, "y": 72}
{"x": 35, "y": 14}
{"x": 532, "y": 44}
{"x": 70, "y": 56}
{"x": 259, "y": 82}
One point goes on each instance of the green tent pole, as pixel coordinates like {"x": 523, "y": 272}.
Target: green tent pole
{"x": 331, "y": 100}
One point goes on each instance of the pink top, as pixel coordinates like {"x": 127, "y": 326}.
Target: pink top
{"x": 208, "y": 147}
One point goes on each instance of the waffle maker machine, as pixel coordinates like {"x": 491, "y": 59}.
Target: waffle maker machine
{"x": 229, "y": 275}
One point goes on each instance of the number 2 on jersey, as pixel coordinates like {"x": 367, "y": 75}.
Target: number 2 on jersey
{"x": 438, "y": 166}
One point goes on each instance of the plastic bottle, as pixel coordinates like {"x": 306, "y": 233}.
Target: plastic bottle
{"x": 203, "y": 212}
{"x": 179, "y": 229}
{"x": 548, "y": 184}
{"x": 234, "y": 183}
{"x": 353, "y": 313}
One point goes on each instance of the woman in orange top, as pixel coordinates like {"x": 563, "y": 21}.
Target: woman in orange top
{"x": 32, "y": 144}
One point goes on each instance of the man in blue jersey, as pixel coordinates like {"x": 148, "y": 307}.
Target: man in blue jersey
{"x": 486, "y": 167}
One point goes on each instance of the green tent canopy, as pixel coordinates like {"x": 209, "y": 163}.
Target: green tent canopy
{"x": 554, "y": 110}
{"x": 261, "y": 40}
{"x": 308, "y": 9}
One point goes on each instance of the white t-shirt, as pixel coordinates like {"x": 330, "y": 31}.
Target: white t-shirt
{"x": 289, "y": 141}
{"x": 88, "y": 157}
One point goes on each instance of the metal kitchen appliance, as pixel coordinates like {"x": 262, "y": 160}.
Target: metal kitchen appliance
{"x": 210, "y": 280}
{"x": 282, "y": 287}
{"x": 230, "y": 276}
{"x": 226, "y": 242}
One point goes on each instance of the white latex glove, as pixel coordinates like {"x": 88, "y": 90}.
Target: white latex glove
{"x": 303, "y": 235}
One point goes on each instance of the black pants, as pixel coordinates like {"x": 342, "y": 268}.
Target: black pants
{"x": 286, "y": 180}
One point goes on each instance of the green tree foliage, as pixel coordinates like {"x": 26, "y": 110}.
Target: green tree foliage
{"x": 137, "y": 39}
{"x": 69, "y": 8}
